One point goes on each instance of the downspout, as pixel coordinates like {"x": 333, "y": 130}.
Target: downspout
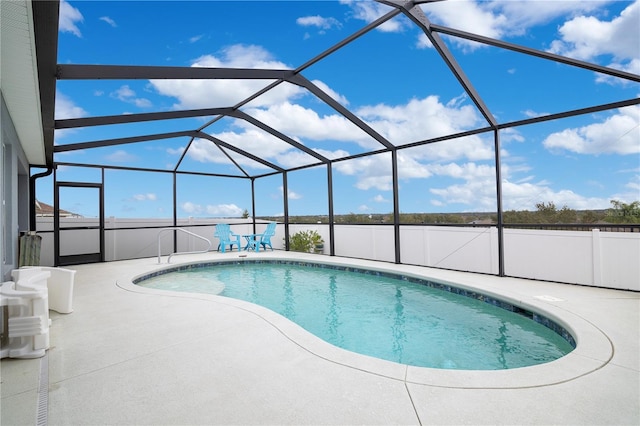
{"x": 32, "y": 196}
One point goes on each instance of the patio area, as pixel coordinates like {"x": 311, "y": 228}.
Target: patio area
{"x": 131, "y": 356}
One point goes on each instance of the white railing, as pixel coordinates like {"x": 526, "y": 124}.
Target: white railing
{"x": 174, "y": 228}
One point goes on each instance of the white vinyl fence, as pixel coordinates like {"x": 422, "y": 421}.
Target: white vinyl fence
{"x": 592, "y": 258}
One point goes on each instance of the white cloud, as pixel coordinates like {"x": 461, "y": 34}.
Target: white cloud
{"x": 192, "y": 94}
{"x": 398, "y": 124}
{"x": 393, "y": 122}
{"x": 189, "y": 207}
{"x": 477, "y": 190}
{"x": 525, "y": 196}
{"x": 205, "y": 151}
{"x": 586, "y": 37}
{"x": 369, "y": 11}
{"x": 631, "y": 191}
{"x": 108, "y": 21}
{"x": 304, "y": 123}
{"x": 332, "y": 154}
{"x": 583, "y": 36}
{"x": 521, "y": 15}
{"x": 144, "y": 197}
{"x": 469, "y": 16}
{"x": 175, "y": 151}
{"x": 258, "y": 143}
{"x": 318, "y": 22}
{"x": 66, "y": 108}
{"x": 295, "y": 158}
{"x": 195, "y": 38}
{"x": 533, "y": 114}
{"x": 409, "y": 167}
{"x": 121, "y": 156}
{"x": 472, "y": 171}
{"x": 374, "y": 172}
{"x": 499, "y": 19}
{"x": 618, "y": 134}
{"x": 225, "y": 210}
{"x": 123, "y": 93}
{"x": 69, "y": 17}
{"x": 380, "y": 199}
{"x": 633, "y": 67}
{"x": 292, "y": 195}
{"x": 329, "y": 91}
{"x": 126, "y": 94}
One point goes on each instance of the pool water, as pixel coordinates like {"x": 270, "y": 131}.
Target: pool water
{"x": 381, "y": 316}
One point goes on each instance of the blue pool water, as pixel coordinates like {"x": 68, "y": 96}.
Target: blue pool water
{"x": 384, "y": 316}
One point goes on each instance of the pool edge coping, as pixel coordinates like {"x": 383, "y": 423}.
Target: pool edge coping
{"x": 593, "y": 351}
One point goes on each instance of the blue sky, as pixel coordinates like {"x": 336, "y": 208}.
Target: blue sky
{"x": 392, "y": 78}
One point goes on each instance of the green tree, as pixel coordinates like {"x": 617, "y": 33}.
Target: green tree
{"x": 518, "y": 217}
{"x": 566, "y": 215}
{"x": 546, "y": 212}
{"x": 590, "y": 217}
{"x": 623, "y": 212}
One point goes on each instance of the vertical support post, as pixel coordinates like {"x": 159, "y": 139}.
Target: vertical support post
{"x": 253, "y": 204}
{"x": 396, "y": 204}
{"x": 285, "y": 199}
{"x": 175, "y": 211}
{"x": 596, "y": 259}
{"x": 332, "y": 246}
{"x": 500, "y": 223}
{"x": 101, "y": 215}
{"x": 56, "y": 219}
{"x": 110, "y": 222}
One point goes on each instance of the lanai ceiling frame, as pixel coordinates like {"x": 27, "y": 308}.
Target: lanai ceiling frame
{"x": 410, "y": 9}
{"x": 99, "y": 72}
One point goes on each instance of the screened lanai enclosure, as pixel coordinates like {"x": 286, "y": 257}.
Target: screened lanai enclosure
{"x": 349, "y": 118}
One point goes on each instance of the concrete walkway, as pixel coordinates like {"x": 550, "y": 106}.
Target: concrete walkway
{"x": 128, "y": 355}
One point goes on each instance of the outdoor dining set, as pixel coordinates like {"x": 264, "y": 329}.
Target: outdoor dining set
{"x": 251, "y": 241}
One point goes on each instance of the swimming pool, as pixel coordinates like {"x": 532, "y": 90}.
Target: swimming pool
{"x": 398, "y": 318}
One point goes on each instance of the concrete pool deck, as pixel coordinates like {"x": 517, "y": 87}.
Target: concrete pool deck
{"x": 129, "y": 356}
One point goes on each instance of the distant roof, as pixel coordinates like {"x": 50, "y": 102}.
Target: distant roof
{"x": 44, "y": 209}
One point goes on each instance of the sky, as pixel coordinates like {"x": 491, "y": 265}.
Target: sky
{"x": 392, "y": 78}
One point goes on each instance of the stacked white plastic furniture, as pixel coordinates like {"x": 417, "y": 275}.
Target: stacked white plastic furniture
{"x": 59, "y": 285}
{"x": 28, "y": 299}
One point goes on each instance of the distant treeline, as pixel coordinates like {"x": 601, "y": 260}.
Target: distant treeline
{"x": 546, "y": 213}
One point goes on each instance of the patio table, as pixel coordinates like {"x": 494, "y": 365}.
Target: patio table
{"x": 249, "y": 238}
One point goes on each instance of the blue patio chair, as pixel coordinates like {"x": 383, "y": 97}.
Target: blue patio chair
{"x": 263, "y": 239}
{"x": 227, "y": 238}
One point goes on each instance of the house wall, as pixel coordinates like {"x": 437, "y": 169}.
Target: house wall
{"x": 14, "y": 187}
{"x": 593, "y": 258}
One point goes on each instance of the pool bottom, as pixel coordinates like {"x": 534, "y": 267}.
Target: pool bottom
{"x": 473, "y": 294}
{"x": 592, "y": 352}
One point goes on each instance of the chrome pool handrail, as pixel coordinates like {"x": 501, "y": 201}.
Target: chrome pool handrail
{"x": 175, "y": 228}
